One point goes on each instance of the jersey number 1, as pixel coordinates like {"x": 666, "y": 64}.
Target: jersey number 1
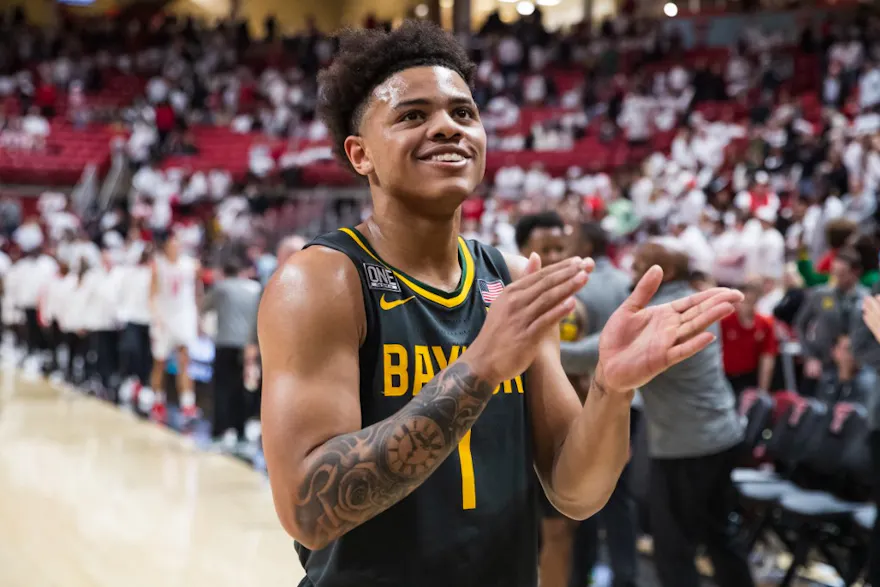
{"x": 468, "y": 485}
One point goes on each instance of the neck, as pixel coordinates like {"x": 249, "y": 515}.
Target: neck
{"x": 424, "y": 247}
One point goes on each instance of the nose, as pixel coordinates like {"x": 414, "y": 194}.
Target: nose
{"x": 443, "y": 126}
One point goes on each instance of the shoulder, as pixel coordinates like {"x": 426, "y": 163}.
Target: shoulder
{"x": 516, "y": 264}
{"x": 765, "y": 321}
{"x": 253, "y": 286}
{"x": 316, "y": 285}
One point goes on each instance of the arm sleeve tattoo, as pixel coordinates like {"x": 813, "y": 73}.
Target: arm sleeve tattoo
{"x": 356, "y": 476}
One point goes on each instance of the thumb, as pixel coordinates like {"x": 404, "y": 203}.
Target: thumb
{"x": 534, "y": 264}
{"x": 645, "y": 288}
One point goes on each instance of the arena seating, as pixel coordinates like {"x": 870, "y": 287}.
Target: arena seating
{"x": 69, "y": 150}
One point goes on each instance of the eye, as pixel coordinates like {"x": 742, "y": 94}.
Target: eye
{"x": 412, "y": 115}
{"x": 465, "y": 112}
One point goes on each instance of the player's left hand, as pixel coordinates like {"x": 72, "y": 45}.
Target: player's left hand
{"x": 640, "y": 342}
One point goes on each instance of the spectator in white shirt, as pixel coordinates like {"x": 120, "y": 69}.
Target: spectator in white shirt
{"x": 767, "y": 256}
{"x": 869, "y": 87}
{"x": 681, "y": 151}
{"x": 636, "y": 116}
{"x": 510, "y": 55}
{"x": 37, "y": 270}
{"x": 36, "y": 127}
{"x": 692, "y": 240}
{"x": 102, "y": 285}
{"x": 157, "y": 90}
{"x": 859, "y": 204}
{"x": 134, "y": 314}
{"x": 731, "y": 249}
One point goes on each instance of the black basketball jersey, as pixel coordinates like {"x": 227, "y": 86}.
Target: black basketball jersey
{"x": 473, "y": 522}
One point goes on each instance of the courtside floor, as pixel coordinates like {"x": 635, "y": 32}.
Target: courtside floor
{"x": 91, "y": 496}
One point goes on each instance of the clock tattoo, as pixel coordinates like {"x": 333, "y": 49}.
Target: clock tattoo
{"x": 415, "y": 447}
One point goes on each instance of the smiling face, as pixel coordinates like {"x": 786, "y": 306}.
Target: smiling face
{"x": 421, "y": 139}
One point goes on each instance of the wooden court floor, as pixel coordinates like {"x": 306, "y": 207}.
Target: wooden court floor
{"x": 90, "y": 496}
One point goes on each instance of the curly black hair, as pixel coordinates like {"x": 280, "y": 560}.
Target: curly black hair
{"x": 366, "y": 58}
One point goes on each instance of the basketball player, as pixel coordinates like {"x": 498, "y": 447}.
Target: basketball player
{"x": 544, "y": 235}
{"x": 412, "y": 379}
{"x": 174, "y": 309}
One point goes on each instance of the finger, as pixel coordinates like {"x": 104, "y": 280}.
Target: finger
{"x": 539, "y": 276}
{"x": 554, "y": 290}
{"x": 730, "y": 296}
{"x": 589, "y": 264}
{"x": 533, "y": 265}
{"x": 703, "y": 321}
{"x": 871, "y": 306}
{"x": 645, "y": 289}
{"x": 684, "y": 304}
{"x": 689, "y": 348}
{"x": 551, "y": 318}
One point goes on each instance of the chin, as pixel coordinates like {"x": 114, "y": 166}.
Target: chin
{"x": 451, "y": 191}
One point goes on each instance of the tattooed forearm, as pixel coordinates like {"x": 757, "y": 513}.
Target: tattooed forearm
{"x": 356, "y": 476}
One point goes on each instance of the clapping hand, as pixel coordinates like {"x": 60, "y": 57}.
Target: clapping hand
{"x": 639, "y": 341}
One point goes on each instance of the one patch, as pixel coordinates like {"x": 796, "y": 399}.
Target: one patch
{"x": 381, "y": 277}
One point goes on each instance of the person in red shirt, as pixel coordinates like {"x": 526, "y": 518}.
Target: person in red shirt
{"x": 749, "y": 345}
{"x": 165, "y": 121}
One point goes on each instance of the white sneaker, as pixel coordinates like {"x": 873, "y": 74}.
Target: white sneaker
{"x": 253, "y": 430}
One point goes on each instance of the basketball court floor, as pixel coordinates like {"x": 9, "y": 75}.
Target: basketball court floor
{"x": 91, "y": 496}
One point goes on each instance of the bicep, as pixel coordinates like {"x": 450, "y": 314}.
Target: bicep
{"x": 309, "y": 346}
{"x": 553, "y": 405}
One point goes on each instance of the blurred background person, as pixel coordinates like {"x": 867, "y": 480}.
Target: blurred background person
{"x": 234, "y": 299}
{"x": 749, "y": 345}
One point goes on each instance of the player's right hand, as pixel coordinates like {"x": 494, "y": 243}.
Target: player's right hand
{"x": 526, "y": 312}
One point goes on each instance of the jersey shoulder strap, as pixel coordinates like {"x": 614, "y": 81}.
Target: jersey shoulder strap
{"x": 490, "y": 262}
{"x": 341, "y": 241}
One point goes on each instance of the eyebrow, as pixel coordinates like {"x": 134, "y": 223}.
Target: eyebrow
{"x": 454, "y": 101}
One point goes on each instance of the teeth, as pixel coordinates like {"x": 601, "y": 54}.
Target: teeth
{"x": 451, "y": 157}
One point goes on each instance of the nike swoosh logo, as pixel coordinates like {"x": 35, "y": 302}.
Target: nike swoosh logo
{"x": 386, "y": 305}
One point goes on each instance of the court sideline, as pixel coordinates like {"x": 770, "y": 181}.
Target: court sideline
{"x": 92, "y": 496}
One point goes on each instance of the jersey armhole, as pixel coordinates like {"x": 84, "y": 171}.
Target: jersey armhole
{"x": 370, "y": 311}
{"x": 497, "y": 259}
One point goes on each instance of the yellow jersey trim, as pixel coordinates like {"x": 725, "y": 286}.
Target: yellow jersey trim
{"x": 448, "y": 302}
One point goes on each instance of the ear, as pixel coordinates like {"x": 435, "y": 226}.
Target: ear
{"x": 358, "y": 155}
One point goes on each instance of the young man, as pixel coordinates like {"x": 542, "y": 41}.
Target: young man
{"x": 389, "y": 464}
{"x": 174, "y": 301}
{"x": 543, "y": 234}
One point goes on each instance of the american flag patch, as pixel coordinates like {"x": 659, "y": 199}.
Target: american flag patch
{"x": 490, "y": 289}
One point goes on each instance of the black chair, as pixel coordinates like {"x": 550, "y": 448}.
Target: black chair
{"x": 756, "y": 410}
{"x": 797, "y": 431}
{"x": 794, "y": 435}
{"x": 821, "y": 512}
